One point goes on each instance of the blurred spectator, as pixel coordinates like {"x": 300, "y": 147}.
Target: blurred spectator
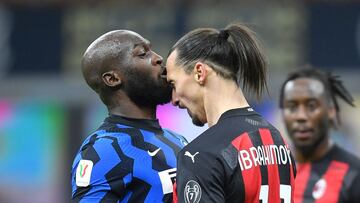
{"x": 325, "y": 171}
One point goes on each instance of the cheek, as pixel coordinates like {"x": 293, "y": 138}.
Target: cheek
{"x": 319, "y": 118}
{"x": 187, "y": 91}
{"x": 287, "y": 118}
{"x": 190, "y": 98}
{"x": 183, "y": 91}
{"x": 322, "y": 122}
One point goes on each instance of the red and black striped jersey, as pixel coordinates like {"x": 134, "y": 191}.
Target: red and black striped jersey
{"x": 334, "y": 178}
{"x": 242, "y": 158}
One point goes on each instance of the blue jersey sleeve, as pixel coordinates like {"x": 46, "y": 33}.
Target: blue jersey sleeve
{"x": 98, "y": 173}
{"x": 180, "y": 140}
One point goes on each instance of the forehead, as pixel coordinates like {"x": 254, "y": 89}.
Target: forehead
{"x": 304, "y": 88}
{"x": 136, "y": 39}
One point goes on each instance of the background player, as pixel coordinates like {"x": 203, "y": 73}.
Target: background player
{"x": 130, "y": 158}
{"x": 241, "y": 157}
{"x": 326, "y": 173}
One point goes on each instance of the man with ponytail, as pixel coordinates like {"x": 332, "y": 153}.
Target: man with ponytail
{"x": 326, "y": 173}
{"x": 241, "y": 157}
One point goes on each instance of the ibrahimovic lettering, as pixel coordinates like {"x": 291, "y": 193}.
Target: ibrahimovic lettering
{"x": 264, "y": 155}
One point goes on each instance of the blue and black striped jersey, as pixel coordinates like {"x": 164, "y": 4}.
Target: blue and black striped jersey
{"x": 126, "y": 160}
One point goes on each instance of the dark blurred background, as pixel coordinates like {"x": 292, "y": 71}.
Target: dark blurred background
{"x": 46, "y": 109}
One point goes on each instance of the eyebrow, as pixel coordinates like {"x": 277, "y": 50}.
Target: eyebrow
{"x": 146, "y": 43}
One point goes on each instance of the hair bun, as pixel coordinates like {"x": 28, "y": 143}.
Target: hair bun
{"x": 224, "y": 34}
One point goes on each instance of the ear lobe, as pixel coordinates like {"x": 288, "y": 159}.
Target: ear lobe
{"x": 111, "y": 78}
{"x": 200, "y": 73}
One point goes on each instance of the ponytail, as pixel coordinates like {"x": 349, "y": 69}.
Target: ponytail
{"x": 252, "y": 62}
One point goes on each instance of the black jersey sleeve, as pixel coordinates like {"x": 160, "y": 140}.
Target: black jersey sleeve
{"x": 354, "y": 194}
{"x": 199, "y": 178}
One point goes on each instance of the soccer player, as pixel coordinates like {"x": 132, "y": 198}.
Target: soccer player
{"x": 241, "y": 157}
{"x": 130, "y": 158}
{"x": 326, "y": 172}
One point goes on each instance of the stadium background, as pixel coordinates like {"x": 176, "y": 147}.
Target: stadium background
{"x": 46, "y": 109}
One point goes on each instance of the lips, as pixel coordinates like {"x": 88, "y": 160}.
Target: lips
{"x": 163, "y": 72}
{"x": 303, "y": 134}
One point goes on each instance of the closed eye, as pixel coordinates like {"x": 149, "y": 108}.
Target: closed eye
{"x": 142, "y": 54}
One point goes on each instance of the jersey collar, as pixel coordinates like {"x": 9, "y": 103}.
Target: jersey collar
{"x": 146, "y": 124}
{"x": 238, "y": 112}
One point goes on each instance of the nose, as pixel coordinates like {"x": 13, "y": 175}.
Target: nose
{"x": 301, "y": 114}
{"x": 174, "y": 99}
{"x": 156, "y": 59}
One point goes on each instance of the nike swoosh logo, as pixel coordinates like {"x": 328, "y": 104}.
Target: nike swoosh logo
{"x": 154, "y": 152}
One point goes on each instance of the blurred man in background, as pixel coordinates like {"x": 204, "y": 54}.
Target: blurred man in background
{"x": 241, "y": 157}
{"x": 130, "y": 158}
{"x": 326, "y": 173}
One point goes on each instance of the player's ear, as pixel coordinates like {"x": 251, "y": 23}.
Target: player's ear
{"x": 200, "y": 72}
{"x": 111, "y": 78}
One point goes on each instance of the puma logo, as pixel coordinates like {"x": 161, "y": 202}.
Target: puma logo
{"x": 154, "y": 152}
{"x": 187, "y": 153}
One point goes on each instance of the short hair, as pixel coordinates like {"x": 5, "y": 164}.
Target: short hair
{"x": 104, "y": 54}
{"x": 334, "y": 87}
{"x": 233, "y": 53}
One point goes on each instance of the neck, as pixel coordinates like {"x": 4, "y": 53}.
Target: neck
{"x": 125, "y": 107}
{"x": 318, "y": 153}
{"x": 220, "y": 96}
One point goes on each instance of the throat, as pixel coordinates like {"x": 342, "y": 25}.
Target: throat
{"x": 133, "y": 111}
{"x": 314, "y": 153}
{"x": 216, "y": 105}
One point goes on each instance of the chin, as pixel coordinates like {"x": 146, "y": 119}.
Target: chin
{"x": 306, "y": 147}
{"x": 198, "y": 122}
{"x": 303, "y": 145}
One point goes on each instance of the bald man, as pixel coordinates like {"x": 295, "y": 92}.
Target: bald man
{"x": 130, "y": 158}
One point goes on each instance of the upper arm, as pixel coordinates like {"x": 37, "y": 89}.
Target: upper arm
{"x": 99, "y": 172}
{"x": 354, "y": 193}
{"x": 182, "y": 140}
{"x": 201, "y": 180}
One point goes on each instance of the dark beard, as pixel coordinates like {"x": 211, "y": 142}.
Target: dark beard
{"x": 145, "y": 91}
{"x": 195, "y": 120}
{"x": 309, "y": 150}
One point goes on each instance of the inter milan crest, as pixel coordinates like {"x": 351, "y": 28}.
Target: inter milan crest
{"x": 192, "y": 192}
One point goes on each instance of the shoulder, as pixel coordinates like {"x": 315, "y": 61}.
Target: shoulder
{"x": 199, "y": 164}
{"x": 103, "y": 145}
{"x": 343, "y": 155}
{"x": 204, "y": 142}
{"x": 171, "y": 134}
{"x": 352, "y": 177}
{"x": 101, "y": 139}
{"x": 200, "y": 154}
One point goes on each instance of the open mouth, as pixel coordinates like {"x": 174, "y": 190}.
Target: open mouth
{"x": 163, "y": 72}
